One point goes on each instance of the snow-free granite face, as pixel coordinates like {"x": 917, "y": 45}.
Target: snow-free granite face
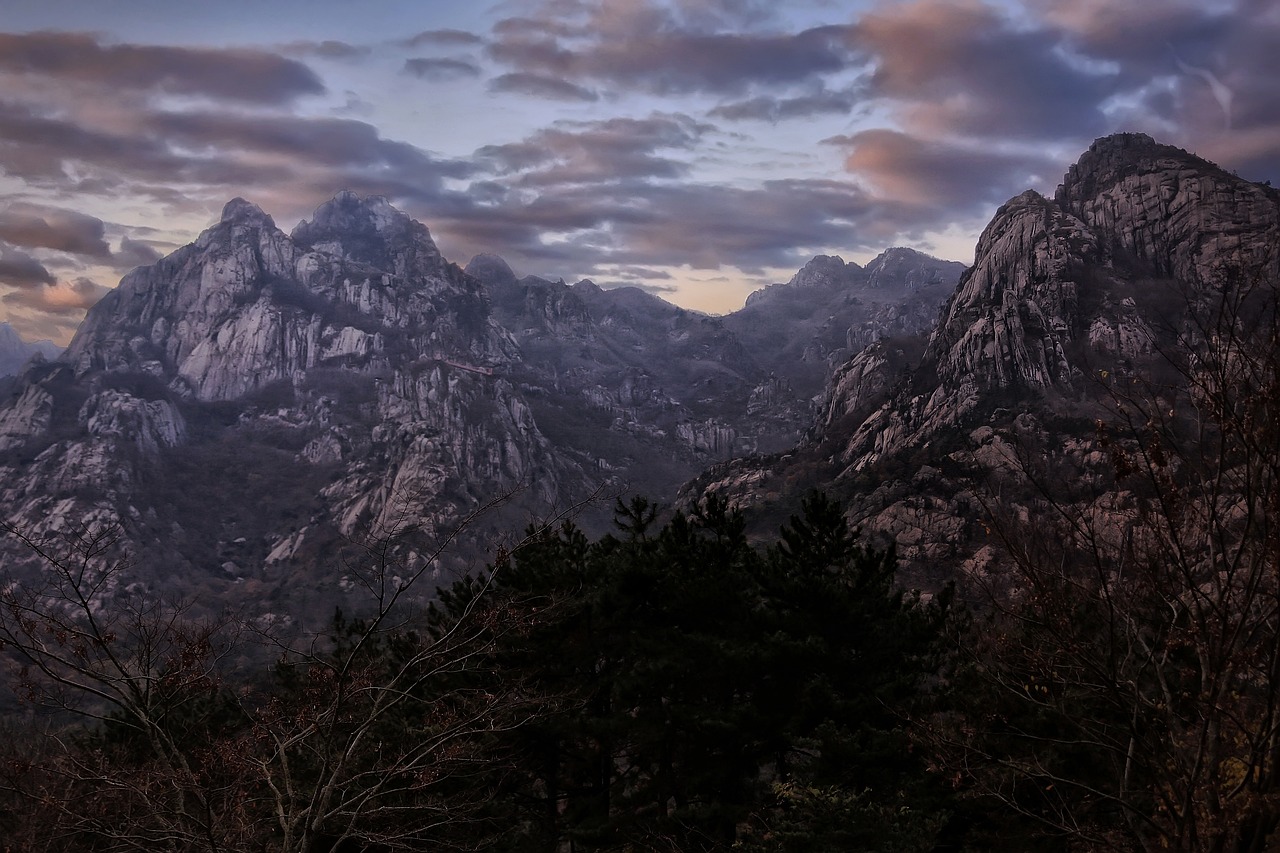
{"x": 1062, "y": 291}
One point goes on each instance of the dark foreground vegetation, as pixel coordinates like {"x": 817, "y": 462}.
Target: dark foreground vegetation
{"x": 1110, "y": 681}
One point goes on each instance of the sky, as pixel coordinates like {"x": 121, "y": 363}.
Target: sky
{"x": 699, "y": 149}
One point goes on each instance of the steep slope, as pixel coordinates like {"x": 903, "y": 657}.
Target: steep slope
{"x": 1101, "y": 280}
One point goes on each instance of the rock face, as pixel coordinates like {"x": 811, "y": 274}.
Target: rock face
{"x": 260, "y": 401}
{"x": 1092, "y": 282}
{"x": 15, "y": 352}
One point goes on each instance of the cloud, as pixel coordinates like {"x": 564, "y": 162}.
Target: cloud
{"x": 442, "y": 38}
{"x": 327, "y": 49}
{"x": 440, "y": 69}
{"x": 940, "y": 175}
{"x": 1141, "y": 35}
{"x": 595, "y": 229}
{"x": 1201, "y": 75}
{"x": 598, "y": 152}
{"x": 34, "y": 226}
{"x": 66, "y": 299}
{"x": 18, "y": 269}
{"x": 541, "y": 86}
{"x": 177, "y": 157}
{"x": 962, "y": 67}
{"x": 322, "y": 141}
{"x": 247, "y": 76}
{"x": 773, "y": 109}
{"x": 665, "y": 51}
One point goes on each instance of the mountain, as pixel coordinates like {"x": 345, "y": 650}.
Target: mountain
{"x": 630, "y": 382}
{"x": 258, "y": 408}
{"x": 1104, "y": 279}
{"x": 832, "y": 309}
{"x": 256, "y": 402}
{"x": 732, "y": 385}
{"x": 15, "y": 352}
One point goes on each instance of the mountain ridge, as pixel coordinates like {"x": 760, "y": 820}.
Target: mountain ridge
{"x": 1062, "y": 291}
{"x": 254, "y": 405}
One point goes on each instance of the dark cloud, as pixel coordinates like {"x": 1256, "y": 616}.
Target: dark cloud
{"x": 594, "y": 229}
{"x": 440, "y": 69}
{"x": 599, "y": 152}
{"x": 249, "y": 76}
{"x": 18, "y": 269}
{"x": 317, "y": 141}
{"x": 666, "y": 50}
{"x": 1142, "y": 36}
{"x": 946, "y": 177}
{"x": 647, "y": 287}
{"x": 37, "y": 148}
{"x": 442, "y": 38}
{"x": 1199, "y": 75}
{"x": 966, "y": 68}
{"x": 219, "y": 153}
{"x": 34, "y": 226}
{"x": 69, "y": 299}
{"x": 775, "y": 109}
{"x": 328, "y": 49}
{"x": 641, "y": 273}
{"x": 541, "y": 86}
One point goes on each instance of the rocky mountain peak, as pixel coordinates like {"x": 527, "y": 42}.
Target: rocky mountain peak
{"x": 368, "y": 231}
{"x": 238, "y": 211}
{"x": 492, "y": 270}
{"x": 823, "y": 270}
{"x": 899, "y": 266}
{"x": 1181, "y": 216}
{"x": 14, "y": 351}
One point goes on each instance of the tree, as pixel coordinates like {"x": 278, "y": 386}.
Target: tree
{"x": 1133, "y": 655}
{"x": 365, "y": 738}
{"x": 692, "y": 671}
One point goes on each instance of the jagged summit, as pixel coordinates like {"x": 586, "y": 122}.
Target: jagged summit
{"x": 370, "y": 231}
{"x": 240, "y": 211}
{"x": 899, "y": 267}
{"x": 491, "y": 269}
{"x": 15, "y": 352}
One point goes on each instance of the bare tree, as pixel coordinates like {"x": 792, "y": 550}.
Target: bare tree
{"x": 1132, "y": 651}
{"x": 372, "y": 735}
